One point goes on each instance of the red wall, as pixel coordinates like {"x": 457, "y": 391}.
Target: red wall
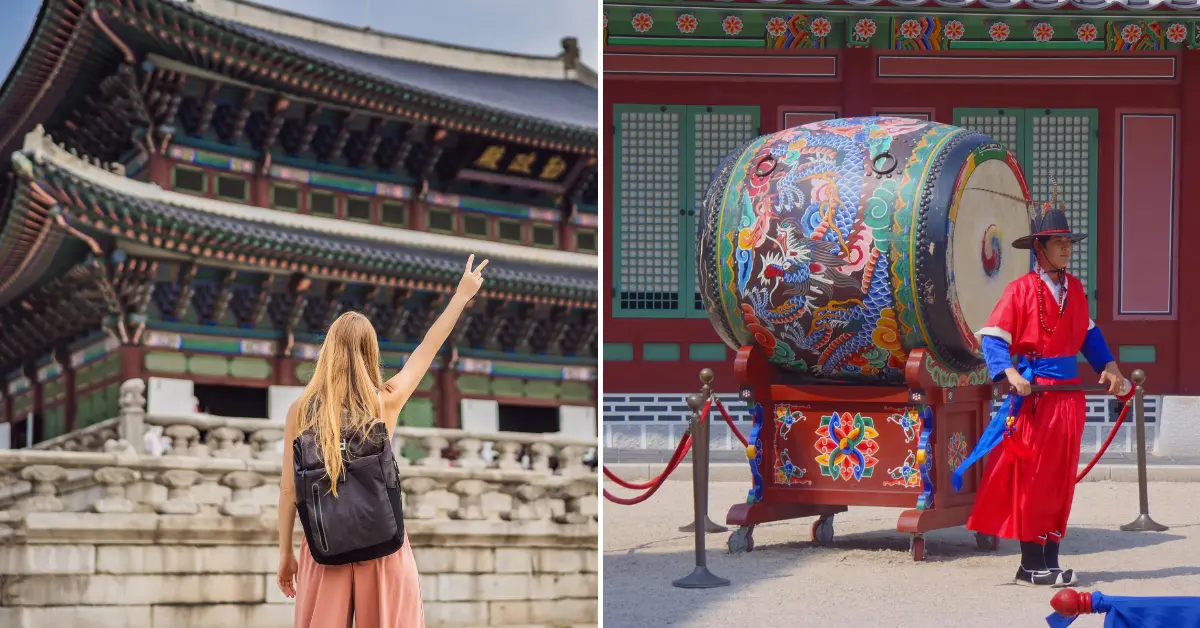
{"x": 858, "y": 93}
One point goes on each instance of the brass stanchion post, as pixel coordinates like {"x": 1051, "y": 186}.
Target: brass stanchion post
{"x": 706, "y": 391}
{"x": 1143, "y": 523}
{"x": 701, "y": 577}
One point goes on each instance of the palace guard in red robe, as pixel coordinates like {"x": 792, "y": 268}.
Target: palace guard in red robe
{"x": 1042, "y": 322}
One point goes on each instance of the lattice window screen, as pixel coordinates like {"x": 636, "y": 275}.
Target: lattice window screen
{"x": 1005, "y": 129}
{"x": 1061, "y": 145}
{"x": 714, "y": 134}
{"x": 650, "y": 197}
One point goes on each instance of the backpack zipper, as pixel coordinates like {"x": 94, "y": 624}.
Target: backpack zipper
{"x": 321, "y": 538}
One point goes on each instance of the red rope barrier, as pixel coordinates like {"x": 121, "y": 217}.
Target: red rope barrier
{"x": 1104, "y": 447}
{"x": 685, "y": 444}
{"x": 654, "y": 484}
{"x": 729, "y": 421}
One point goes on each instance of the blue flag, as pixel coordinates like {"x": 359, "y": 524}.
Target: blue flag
{"x": 1140, "y": 612}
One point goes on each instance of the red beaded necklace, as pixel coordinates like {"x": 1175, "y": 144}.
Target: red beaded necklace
{"x": 1041, "y": 297}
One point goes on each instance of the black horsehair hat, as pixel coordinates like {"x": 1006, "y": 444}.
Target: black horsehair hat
{"x": 1047, "y": 221}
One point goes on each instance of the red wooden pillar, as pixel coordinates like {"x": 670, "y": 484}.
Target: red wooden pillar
{"x": 858, "y": 76}
{"x": 160, "y": 171}
{"x": 1188, "y": 368}
{"x": 447, "y": 400}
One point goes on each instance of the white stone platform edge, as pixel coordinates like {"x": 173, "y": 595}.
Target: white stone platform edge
{"x": 1178, "y": 426}
{"x": 740, "y": 472}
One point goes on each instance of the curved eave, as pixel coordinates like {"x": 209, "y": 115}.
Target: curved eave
{"x": 107, "y": 203}
{"x": 29, "y": 240}
{"x": 47, "y": 65}
{"x": 348, "y": 85}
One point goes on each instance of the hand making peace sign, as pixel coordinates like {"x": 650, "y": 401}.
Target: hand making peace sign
{"x": 471, "y": 280}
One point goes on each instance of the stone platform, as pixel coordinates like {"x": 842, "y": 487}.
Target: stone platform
{"x": 97, "y": 533}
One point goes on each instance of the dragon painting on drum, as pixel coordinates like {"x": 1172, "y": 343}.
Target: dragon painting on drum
{"x": 840, "y": 246}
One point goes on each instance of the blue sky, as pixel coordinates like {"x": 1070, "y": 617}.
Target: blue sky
{"x": 524, "y": 26}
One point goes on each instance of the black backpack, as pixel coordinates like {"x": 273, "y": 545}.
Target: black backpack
{"x": 365, "y": 520}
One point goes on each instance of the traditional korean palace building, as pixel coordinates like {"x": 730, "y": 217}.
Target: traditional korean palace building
{"x": 193, "y": 191}
{"x": 1096, "y": 93}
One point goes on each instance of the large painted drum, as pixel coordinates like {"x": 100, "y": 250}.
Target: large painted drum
{"x": 840, "y": 246}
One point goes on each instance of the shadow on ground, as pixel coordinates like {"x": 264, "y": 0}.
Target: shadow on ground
{"x": 646, "y": 571}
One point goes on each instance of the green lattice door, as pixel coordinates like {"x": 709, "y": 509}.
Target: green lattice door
{"x": 665, "y": 156}
{"x": 1059, "y": 142}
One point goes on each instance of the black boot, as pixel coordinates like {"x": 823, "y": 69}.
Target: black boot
{"x": 1067, "y": 576}
{"x": 1033, "y": 570}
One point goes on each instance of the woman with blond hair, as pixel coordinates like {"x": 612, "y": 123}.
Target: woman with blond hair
{"x": 347, "y": 399}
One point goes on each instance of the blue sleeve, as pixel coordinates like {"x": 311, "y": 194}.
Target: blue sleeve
{"x": 1095, "y": 349}
{"x": 996, "y": 355}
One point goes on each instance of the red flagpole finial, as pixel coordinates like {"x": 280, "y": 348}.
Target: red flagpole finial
{"x": 1070, "y": 603}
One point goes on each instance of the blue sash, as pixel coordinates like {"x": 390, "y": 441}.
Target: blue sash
{"x": 1140, "y": 612}
{"x": 1049, "y": 368}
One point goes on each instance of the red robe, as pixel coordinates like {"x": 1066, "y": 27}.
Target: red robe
{"x": 1028, "y": 500}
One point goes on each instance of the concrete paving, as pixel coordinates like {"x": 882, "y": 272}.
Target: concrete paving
{"x": 866, "y": 577}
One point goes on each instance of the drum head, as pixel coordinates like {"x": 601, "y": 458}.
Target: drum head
{"x": 986, "y": 218}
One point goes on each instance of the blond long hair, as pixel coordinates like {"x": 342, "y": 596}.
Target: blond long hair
{"x": 342, "y": 393}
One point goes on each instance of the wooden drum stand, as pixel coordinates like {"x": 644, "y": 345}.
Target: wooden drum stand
{"x": 816, "y": 450}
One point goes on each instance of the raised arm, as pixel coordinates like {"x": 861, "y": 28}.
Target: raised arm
{"x": 400, "y": 387}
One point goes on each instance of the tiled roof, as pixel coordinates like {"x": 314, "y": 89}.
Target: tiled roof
{"x": 569, "y": 103}
{"x": 385, "y": 251}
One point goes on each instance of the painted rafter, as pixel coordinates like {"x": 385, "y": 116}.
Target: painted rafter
{"x": 401, "y": 314}
{"x": 261, "y": 301}
{"x": 531, "y": 319}
{"x": 343, "y": 135}
{"x": 274, "y": 124}
{"x": 413, "y": 137}
{"x": 185, "y": 282}
{"x": 208, "y": 107}
{"x": 224, "y": 295}
{"x": 561, "y": 319}
{"x": 587, "y": 335}
{"x": 333, "y": 302}
{"x": 243, "y": 114}
{"x": 311, "y": 114}
{"x": 498, "y": 318}
{"x": 374, "y": 137}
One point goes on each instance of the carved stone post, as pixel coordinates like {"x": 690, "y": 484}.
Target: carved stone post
{"x": 114, "y": 480}
{"x": 43, "y": 477}
{"x": 241, "y": 503}
{"x": 179, "y": 494}
{"x": 133, "y": 414}
{"x": 420, "y": 503}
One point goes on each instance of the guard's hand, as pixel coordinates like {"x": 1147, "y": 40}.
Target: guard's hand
{"x": 472, "y": 279}
{"x": 1111, "y": 377}
{"x": 1019, "y": 384}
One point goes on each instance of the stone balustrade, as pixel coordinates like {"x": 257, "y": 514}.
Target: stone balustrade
{"x": 205, "y": 435}
{"x": 94, "y": 531}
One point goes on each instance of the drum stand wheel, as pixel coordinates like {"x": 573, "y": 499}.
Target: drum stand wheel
{"x": 741, "y": 540}
{"x": 822, "y": 530}
{"x": 916, "y": 545}
{"x": 987, "y": 542}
